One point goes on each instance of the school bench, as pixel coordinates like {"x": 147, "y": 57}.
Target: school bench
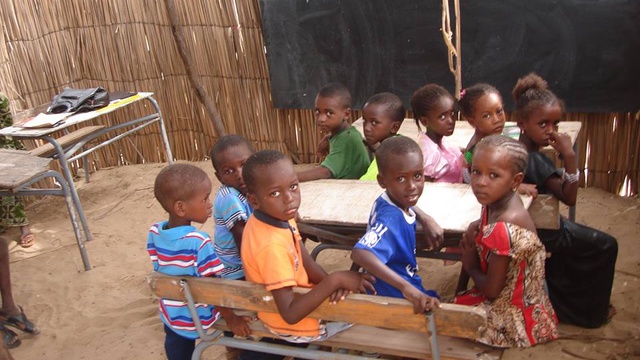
{"x": 381, "y": 324}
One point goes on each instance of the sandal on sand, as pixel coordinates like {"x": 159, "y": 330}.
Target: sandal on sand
{"x": 9, "y": 337}
{"x": 27, "y": 240}
{"x": 20, "y": 322}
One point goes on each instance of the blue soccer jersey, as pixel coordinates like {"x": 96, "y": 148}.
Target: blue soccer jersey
{"x": 183, "y": 251}
{"x": 391, "y": 238}
{"x": 229, "y": 207}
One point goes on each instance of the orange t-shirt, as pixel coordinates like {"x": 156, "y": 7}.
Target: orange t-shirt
{"x": 271, "y": 256}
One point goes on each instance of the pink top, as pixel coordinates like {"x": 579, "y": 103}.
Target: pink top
{"x": 441, "y": 163}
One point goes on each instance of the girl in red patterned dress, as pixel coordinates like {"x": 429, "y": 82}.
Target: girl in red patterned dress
{"x": 502, "y": 253}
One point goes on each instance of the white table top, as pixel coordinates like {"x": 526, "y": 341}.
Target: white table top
{"x": 349, "y": 202}
{"x": 18, "y": 131}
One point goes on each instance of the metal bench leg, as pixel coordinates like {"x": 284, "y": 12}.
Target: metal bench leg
{"x": 435, "y": 351}
{"x": 316, "y": 251}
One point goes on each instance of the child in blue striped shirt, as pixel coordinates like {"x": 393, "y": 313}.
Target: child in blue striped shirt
{"x": 178, "y": 248}
{"x": 231, "y": 208}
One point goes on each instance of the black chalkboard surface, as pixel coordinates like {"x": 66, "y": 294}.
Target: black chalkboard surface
{"x": 588, "y": 50}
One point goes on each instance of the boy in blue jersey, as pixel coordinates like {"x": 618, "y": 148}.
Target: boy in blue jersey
{"x": 177, "y": 248}
{"x": 231, "y": 208}
{"x": 387, "y": 250}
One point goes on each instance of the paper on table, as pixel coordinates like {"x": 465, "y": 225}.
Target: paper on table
{"x": 46, "y": 120}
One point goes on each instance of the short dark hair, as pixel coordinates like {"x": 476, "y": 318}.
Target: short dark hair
{"x": 397, "y": 145}
{"x": 424, "y": 98}
{"x": 251, "y": 168}
{"x": 336, "y": 90}
{"x": 225, "y": 142}
{"x": 517, "y": 151}
{"x": 470, "y": 95}
{"x": 392, "y": 104}
{"x": 530, "y": 92}
{"x": 177, "y": 182}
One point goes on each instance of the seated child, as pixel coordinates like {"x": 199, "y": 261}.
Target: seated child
{"x": 387, "y": 249}
{"x": 502, "y": 252}
{"x": 231, "y": 208}
{"x": 348, "y": 158}
{"x": 582, "y": 266}
{"x": 273, "y": 253}
{"x": 481, "y": 105}
{"x": 432, "y": 107}
{"x": 178, "y": 248}
{"x": 382, "y": 117}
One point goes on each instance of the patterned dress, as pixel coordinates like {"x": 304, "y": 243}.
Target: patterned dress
{"x": 521, "y": 315}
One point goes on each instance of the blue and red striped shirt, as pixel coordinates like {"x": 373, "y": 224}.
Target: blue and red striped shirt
{"x": 183, "y": 251}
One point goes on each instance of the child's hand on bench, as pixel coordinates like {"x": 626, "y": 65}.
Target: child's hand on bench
{"x": 421, "y": 301}
{"x": 351, "y": 282}
{"x": 238, "y": 324}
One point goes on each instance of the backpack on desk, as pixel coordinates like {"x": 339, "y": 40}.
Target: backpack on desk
{"x": 79, "y": 100}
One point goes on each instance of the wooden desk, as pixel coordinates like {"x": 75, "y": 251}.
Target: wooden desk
{"x": 70, "y": 148}
{"x": 336, "y": 212}
{"x": 19, "y": 170}
{"x": 348, "y": 203}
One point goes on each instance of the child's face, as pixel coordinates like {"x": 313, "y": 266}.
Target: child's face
{"x": 492, "y": 175}
{"x": 378, "y": 124}
{"x": 330, "y": 114}
{"x": 230, "y": 164}
{"x": 541, "y": 122}
{"x": 198, "y": 208}
{"x": 440, "y": 118}
{"x": 277, "y": 193}
{"x": 488, "y": 115}
{"x": 403, "y": 179}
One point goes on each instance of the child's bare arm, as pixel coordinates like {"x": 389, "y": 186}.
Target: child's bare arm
{"x": 565, "y": 191}
{"x": 433, "y": 233}
{"x": 492, "y": 282}
{"x": 238, "y": 324}
{"x": 318, "y": 172}
{"x": 315, "y": 272}
{"x": 236, "y": 231}
{"x": 295, "y": 307}
{"x": 373, "y": 265}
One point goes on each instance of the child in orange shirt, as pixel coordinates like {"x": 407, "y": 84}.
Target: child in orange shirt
{"x": 273, "y": 254}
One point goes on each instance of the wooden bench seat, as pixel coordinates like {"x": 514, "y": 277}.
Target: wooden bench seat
{"x": 69, "y": 139}
{"x": 382, "y": 324}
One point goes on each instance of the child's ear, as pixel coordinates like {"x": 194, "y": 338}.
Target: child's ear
{"x": 395, "y": 127}
{"x": 253, "y": 201}
{"x": 380, "y": 181}
{"x": 423, "y": 121}
{"x": 179, "y": 208}
{"x": 347, "y": 113}
{"x": 517, "y": 180}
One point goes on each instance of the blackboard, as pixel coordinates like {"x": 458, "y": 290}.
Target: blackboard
{"x": 588, "y": 50}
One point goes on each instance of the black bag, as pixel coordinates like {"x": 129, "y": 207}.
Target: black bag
{"x": 79, "y": 100}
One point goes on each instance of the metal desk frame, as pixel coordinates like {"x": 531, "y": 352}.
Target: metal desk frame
{"x": 65, "y": 156}
{"x": 23, "y": 188}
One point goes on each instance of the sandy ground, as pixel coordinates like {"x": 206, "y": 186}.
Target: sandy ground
{"x": 109, "y": 312}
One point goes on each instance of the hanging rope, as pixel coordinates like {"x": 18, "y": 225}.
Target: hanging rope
{"x": 454, "y": 51}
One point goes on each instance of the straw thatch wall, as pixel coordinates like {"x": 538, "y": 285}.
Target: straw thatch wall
{"x": 128, "y": 45}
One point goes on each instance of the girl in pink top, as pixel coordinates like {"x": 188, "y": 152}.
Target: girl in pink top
{"x": 432, "y": 107}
